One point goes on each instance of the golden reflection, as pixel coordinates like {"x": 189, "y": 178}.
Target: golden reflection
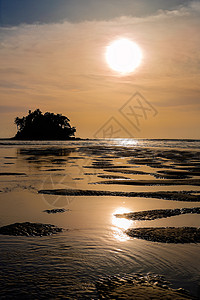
{"x": 127, "y": 142}
{"x": 120, "y": 224}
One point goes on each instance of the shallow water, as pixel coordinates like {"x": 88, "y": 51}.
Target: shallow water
{"x": 68, "y": 264}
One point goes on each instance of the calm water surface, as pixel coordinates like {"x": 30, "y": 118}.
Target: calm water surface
{"x": 94, "y": 243}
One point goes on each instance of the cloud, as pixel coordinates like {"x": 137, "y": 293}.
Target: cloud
{"x": 51, "y": 11}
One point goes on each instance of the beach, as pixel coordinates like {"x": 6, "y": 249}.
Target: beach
{"x": 98, "y": 193}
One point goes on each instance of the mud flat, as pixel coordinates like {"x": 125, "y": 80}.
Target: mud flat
{"x": 126, "y": 171}
{"x": 176, "y": 196}
{"x": 139, "y": 287}
{"x": 180, "y": 173}
{"x": 55, "y": 210}
{"x": 54, "y": 170}
{"x": 159, "y": 174}
{"x": 50, "y": 151}
{"x": 194, "y": 182}
{"x": 175, "y": 235}
{"x": 106, "y": 166}
{"x": 112, "y": 177}
{"x": 158, "y": 213}
{"x": 11, "y": 174}
{"x": 29, "y": 229}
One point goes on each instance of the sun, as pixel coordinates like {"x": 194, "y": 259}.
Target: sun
{"x": 123, "y": 56}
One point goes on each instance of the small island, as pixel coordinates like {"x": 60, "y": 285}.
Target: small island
{"x": 47, "y": 126}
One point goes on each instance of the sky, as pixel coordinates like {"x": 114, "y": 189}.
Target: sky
{"x": 52, "y": 57}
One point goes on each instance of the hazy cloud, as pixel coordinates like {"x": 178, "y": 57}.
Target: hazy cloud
{"x": 9, "y": 109}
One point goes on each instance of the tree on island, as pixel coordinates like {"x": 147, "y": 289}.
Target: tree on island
{"x": 47, "y": 126}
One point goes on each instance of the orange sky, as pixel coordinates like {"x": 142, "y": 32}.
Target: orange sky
{"x": 61, "y": 68}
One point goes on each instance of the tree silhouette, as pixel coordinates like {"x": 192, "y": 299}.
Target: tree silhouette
{"x": 48, "y": 126}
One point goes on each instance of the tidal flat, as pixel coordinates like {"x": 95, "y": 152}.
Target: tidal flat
{"x": 88, "y": 212}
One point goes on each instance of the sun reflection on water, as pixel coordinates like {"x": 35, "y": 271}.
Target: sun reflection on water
{"x": 127, "y": 142}
{"x": 120, "y": 224}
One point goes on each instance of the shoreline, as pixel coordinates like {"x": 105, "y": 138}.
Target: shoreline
{"x": 94, "y": 139}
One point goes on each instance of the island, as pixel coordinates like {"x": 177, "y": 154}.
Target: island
{"x": 47, "y": 126}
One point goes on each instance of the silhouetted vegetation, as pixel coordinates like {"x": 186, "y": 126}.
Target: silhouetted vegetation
{"x": 47, "y": 126}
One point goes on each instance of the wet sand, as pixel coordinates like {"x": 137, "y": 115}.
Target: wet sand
{"x": 173, "y": 235}
{"x": 193, "y": 182}
{"x": 158, "y": 213}
{"x": 139, "y": 287}
{"x": 29, "y": 229}
{"x": 188, "y": 196}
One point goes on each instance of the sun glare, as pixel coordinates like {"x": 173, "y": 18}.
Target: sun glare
{"x": 120, "y": 224}
{"x": 123, "y": 56}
